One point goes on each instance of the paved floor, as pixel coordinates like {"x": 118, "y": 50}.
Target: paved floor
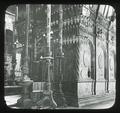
{"x": 10, "y": 100}
{"x": 101, "y": 105}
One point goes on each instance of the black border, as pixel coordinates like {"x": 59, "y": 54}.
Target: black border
{"x": 3, "y": 6}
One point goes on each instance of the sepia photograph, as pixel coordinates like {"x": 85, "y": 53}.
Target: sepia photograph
{"x": 60, "y": 56}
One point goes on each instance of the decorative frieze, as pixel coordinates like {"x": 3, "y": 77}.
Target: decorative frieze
{"x": 86, "y": 23}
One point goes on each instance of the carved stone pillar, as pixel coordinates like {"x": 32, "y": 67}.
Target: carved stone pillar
{"x": 47, "y": 101}
{"x": 25, "y": 101}
{"x": 58, "y": 94}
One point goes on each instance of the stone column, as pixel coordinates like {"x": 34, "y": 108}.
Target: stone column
{"x": 5, "y": 57}
{"x": 25, "y": 101}
{"x": 107, "y": 73}
{"x": 58, "y": 94}
{"x": 48, "y": 101}
{"x": 95, "y": 35}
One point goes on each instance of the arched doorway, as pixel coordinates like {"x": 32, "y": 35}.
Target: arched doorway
{"x": 85, "y": 59}
{"x": 86, "y": 68}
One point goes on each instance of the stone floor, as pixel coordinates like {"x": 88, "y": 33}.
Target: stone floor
{"x": 10, "y": 100}
{"x": 100, "y": 105}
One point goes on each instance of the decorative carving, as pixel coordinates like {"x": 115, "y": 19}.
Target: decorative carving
{"x": 100, "y": 61}
{"x": 86, "y": 11}
{"x": 99, "y": 32}
{"x": 111, "y": 67}
{"x": 86, "y": 22}
{"x": 111, "y": 63}
{"x": 85, "y": 58}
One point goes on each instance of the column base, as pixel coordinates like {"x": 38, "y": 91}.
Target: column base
{"x": 47, "y": 102}
{"x": 58, "y": 95}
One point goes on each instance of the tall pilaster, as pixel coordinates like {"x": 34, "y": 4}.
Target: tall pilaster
{"x": 95, "y": 35}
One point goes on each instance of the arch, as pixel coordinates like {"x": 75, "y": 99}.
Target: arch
{"x": 86, "y": 72}
{"x": 90, "y": 52}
